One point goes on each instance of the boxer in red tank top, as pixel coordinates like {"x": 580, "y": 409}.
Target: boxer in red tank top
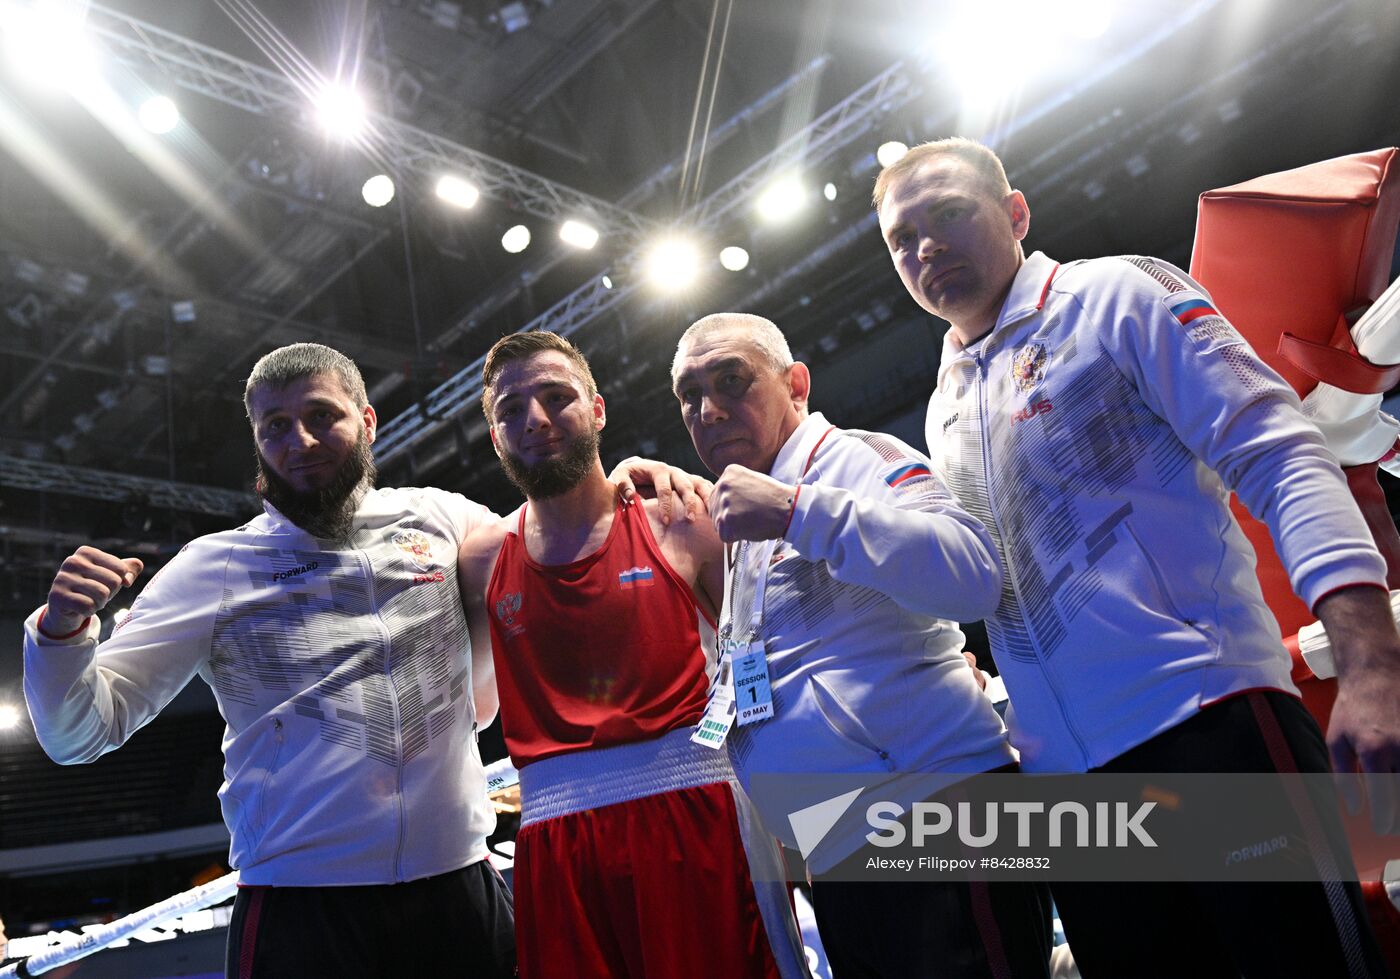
{"x": 635, "y": 853}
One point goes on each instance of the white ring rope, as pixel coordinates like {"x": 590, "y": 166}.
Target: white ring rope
{"x": 103, "y": 935}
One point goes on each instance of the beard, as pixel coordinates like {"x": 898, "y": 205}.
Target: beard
{"x": 328, "y": 512}
{"x": 556, "y": 476}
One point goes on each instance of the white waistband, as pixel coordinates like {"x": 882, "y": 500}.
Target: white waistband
{"x": 581, "y": 780}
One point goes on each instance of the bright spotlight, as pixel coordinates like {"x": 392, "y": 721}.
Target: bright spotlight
{"x": 457, "y": 192}
{"x": 973, "y": 53}
{"x": 1088, "y": 18}
{"x": 10, "y": 717}
{"x": 516, "y": 239}
{"x": 607, "y": 282}
{"x": 47, "y": 44}
{"x": 734, "y": 258}
{"x": 378, "y": 190}
{"x": 673, "y": 265}
{"x": 783, "y": 199}
{"x": 829, "y": 192}
{"x": 158, "y": 114}
{"x": 578, "y": 234}
{"x": 889, "y": 153}
{"x": 340, "y": 111}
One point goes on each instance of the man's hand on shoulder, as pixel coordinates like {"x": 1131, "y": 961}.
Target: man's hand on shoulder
{"x": 86, "y": 581}
{"x": 674, "y": 489}
{"x": 1364, "y": 733}
{"x": 749, "y": 505}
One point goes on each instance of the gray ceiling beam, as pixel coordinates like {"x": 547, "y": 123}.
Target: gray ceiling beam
{"x": 410, "y": 150}
{"x": 98, "y": 484}
{"x": 840, "y": 125}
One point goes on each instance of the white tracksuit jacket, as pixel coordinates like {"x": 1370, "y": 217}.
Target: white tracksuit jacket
{"x": 344, "y": 677}
{"x": 1096, "y": 431}
{"x": 866, "y": 667}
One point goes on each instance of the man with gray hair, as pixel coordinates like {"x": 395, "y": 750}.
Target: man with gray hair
{"x": 331, "y": 632}
{"x": 851, "y": 560}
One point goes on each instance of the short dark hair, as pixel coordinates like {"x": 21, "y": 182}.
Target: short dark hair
{"x": 297, "y": 360}
{"x": 520, "y": 346}
{"x": 984, "y": 162}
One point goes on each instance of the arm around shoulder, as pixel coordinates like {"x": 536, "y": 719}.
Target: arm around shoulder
{"x": 476, "y": 559}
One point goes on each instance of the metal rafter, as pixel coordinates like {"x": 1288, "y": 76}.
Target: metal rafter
{"x": 508, "y": 291}
{"x": 411, "y": 150}
{"x": 837, "y": 127}
{"x": 98, "y": 484}
{"x": 840, "y": 125}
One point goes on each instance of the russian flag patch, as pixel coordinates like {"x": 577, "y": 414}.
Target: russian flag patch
{"x": 636, "y": 578}
{"x": 1192, "y": 309}
{"x": 906, "y": 473}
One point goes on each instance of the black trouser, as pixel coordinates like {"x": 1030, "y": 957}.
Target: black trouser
{"x": 943, "y": 929}
{"x": 1210, "y": 929}
{"x": 946, "y": 929}
{"x": 460, "y": 923}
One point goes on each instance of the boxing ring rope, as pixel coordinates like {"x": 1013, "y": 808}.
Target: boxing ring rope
{"x": 501, "y": 781}
{"x": 102, "y": 936}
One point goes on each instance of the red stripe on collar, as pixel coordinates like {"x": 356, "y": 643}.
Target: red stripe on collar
{"x": 1040, "y": 304}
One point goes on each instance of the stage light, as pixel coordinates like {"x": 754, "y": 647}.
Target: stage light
{"x": 47, "y": 44}
{"x": 516, "y": 239}
{"x": 378, "y": 190}
{"x": 1087, "y": 18}
{"x": 734, "y": 258}
{"x": 970, "y": 51}
{"x": 829, "y": 192}
{"x": 10, "y": 717}
{"x": 457, "y": 192}
{"x": 340, "y": 111}
{"x": 578, "y": 234}
{"x": 673, "y": 265}
{"x": 889, "y": 153}
{"x": 159, "y": 114}
{"x": 783, "y": 199}
{"x": 607, "y": 282}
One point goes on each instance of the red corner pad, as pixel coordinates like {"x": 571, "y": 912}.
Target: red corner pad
{"x": 1340, "y": 368}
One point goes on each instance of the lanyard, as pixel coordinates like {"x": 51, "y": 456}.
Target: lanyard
{"x": 740, "y": 564}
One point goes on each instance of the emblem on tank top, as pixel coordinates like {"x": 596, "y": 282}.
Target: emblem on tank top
{"x": 417, "y": 547}
{"x": 507, "y": 607}
{"x": 636, "y": 578}
{"x": 1028, "y": 366}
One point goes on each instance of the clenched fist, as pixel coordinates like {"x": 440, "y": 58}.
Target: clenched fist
{"x": 748, "y": 505}
{"x": 85, "y": 583}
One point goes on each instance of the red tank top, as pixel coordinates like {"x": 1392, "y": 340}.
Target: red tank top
{"x": 604, "y": 650}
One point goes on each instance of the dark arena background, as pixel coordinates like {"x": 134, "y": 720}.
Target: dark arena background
{"x": 185, "y": 186}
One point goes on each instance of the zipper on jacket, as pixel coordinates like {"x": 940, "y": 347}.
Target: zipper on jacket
{"x": 1010, "y": 569}
{"x": 846, "y": 723}
{"x": 394, "y": 707}
{"x": 261, "y": 813}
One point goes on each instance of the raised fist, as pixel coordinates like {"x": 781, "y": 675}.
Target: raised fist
{"x": 85, "y": 583}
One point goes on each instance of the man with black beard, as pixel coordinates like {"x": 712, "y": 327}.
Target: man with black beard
{"x": 327, "y": 512}
{"x": 331, "y": 632}
{"x": 634, "y": 855}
